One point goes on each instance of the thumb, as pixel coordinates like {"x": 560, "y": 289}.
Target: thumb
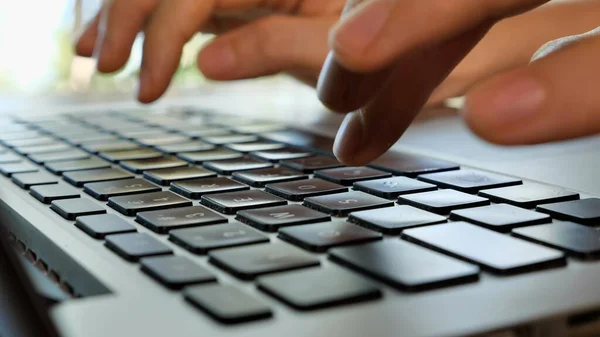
{"x": 554, "y": 98}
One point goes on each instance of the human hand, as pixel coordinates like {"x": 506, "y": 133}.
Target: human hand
{"x": 388, "y": 76}
{"x": 255, "y": 38}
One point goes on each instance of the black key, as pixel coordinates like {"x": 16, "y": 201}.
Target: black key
{"x": 311, "y": 164}
{"x": 404, "y": 265}
{"x": 99, "y": 226}
{"x": 46, "y": 148}
{"x": 302, "y": 139}
{"x": 81, "y": 139}
{"x": 344, "y": 203}
{"x": 391, "y": 188}
{"x": 298, "y": 190}
{"x": 10, "y": 136}
{"x": 500, "y": 217}
{"x": 469, "y": 181}
{"x": 257, "y": 127}
{"x": 393, "y": 220}
{"x": 584, "y": 211}
{"x": 252, "y": 261}
{"x": 230, "y": 139}
{"x": 231, "y": 202}
{"x": 254, "y": 146}
{"x": 211, "y": 155}
{"x": 226, "y": 303}
{"x": 201, "y": 240}
{"x": 228, "y": 166}
{"x": 70, "y": 209}
{"x": 131, "y": 204}
{"x": 76, "y": 165}
{"x": 322, "y": 236}
{"x": 492, "y": 251}
{"x": 261, "y": 177}
{"x": 349, "y": 175}
{"x": 286, "y": 153}
{"x": 26, "y": 180}
{"x": 206, "y": 132}
{"x": 58, "y": 156}
{"x": 529, "y": 195}
{"x": 22, "y": 142}
{"x": 319, "y": 288}
{"x": 577, "y": 240}
{"x": 190, "y": 146}
{"x": 167, "y": 176}
{"x": 141, "y": 133}
{"x": 161, "y": 139}
{"x": 9, "y": 158}
{"x": 272, "y": 218}
{"x": 166, "y": 220}
{"x": 196, "y": 188}
{"x": 10, "y": 169}
{"x": 141, "y": 165}
{"x": 141, "y": 153}
{"x": 49, "y": 193}
{"x": 176, "y": 272}
{"x": 442, "y": 201}
{"x": 107, "y": 189}
{"x": 134, "y": 246}
{"x": 404, "y": 164}
{"x": 111, "y": 145}
{"x": 79, "y": 178}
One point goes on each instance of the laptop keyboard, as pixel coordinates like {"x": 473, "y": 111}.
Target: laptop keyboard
{"x": 180, "y": 175}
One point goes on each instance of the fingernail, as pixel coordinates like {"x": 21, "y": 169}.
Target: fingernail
{"x": 218, "y": 58}
{"x": 360, "y": 30}
{"x": 510, "y": 101}
{"x": 349, "y": 137}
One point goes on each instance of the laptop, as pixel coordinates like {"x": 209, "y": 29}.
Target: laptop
{"x": 189, "y": 221}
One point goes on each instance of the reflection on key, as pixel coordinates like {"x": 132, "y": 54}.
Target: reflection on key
{"x": 249, "y": 262}
{"x": 232, "y": 202}
{"x": 578, "y": 240}
{"x": 493, "y": 251}
{"x": 404, "y": 265}
{"x": 322, "y": 236}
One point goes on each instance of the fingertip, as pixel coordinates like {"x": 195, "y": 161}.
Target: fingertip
{"x": 84, "y": 48}
{"x": 146, "y": 90}
{"x": 217, "y": 60}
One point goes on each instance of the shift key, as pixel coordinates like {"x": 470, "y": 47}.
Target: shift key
{"x": 492, "y": 251}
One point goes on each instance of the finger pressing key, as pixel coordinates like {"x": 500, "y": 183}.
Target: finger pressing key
{"x": 171, "y": 25}
{"x": 342, "y": 90}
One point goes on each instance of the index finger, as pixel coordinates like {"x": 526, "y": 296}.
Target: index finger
{"x": 373, "y": 34}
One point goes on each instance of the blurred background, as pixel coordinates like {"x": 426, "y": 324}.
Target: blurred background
{"x": 38, "y": 66}
{"x": 37, "y": 54}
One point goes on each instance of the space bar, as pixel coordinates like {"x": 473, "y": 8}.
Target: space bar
{"x": 302, "y": 140}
